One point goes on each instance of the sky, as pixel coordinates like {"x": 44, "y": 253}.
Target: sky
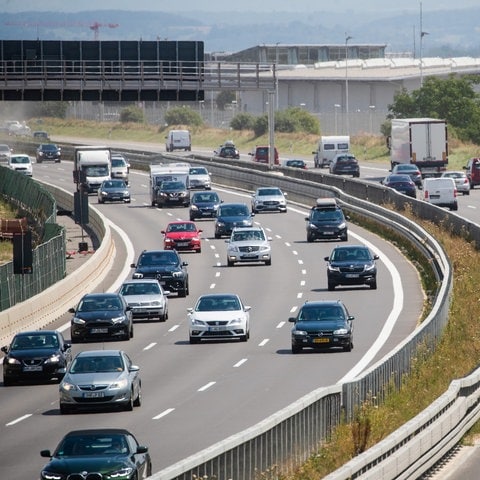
{"x": 377, "y": 6}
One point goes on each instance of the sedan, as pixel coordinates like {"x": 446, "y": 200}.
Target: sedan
{"x": 411, "y": 170}
{"x": 231, "y": 215}
{"x": 108, "y": 453}
{"x": 146, "y": 298}
{"x": 113, "y": 191}
{"x": 401, "y": 183}
{"x": 247, "y": 245}
{"x": 351, "y": 265}
{"x": 36, "y": 355}
{"x": 101, "y": 378}
{"x": 461, "y": 181}
{"x": 204, "y": 205}
{"x": 219, "y": 316}
{"x": 269, "y": 199}
{"x": 198, "y": 177}
{"x": 294, "y": 163}
{"x": 182, "y": 236}
{"x": 101, "y": 316}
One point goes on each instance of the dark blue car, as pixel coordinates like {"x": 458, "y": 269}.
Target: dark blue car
{"x": 230, "y": 215}
{"x": 204, "y": 205}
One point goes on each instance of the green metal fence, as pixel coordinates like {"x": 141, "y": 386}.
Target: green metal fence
{"x": 49, "y": 256}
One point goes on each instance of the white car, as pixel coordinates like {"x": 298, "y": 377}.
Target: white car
{"x": 219, "y": 316}
{"x": 120, "y": 167}
{"x": 146, "y": 298}
{"x": 5, "y": 153}
{"x": 198, "y": 177}
{"x": 248, "y": 244}
{"x": 22, "y": 163}
{"x": 269, "y": 199}
{"x": 461, "y": 181}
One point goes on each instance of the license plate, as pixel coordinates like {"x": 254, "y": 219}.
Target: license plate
{"x": 182, "y": 244}
{"x": 321, "y": 340}
{"x": 328, "y": 233}
{"x": 352, "y": 275}
{"x": 434, "y": 197}
{"x": 250, "y": 255}
{"x": 93, "y": 395}
{"x": 215, "y": 329}
{"x": 33, "y": 368}
{"x": 99, "y": 330}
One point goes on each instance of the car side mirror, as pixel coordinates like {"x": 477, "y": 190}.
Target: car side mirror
{"x": 71, "y": 310}
{"x": 376, "y": 257}
{"x": 326, "y": 258}
{"x": 45, "y": 453}
{"x": 134, "y": 368}
{"x": 4, "y": 349}
{"x": 142, "y": 449}
{"x": 66, "y": 346}
{"x": 292, "y": 319}
{"x": 350, "y": 317}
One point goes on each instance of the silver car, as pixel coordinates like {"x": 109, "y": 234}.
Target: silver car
{"x": 461, "y": 181}
{"x": 146, "y": 298}
{"x": 198, "y": 177}
{"x": 100, "y": 378}
{"x": 248, "y": 244}
{"x": 269, "y": 199}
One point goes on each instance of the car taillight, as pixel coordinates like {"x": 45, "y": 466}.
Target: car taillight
{"x": 455, "y": 192}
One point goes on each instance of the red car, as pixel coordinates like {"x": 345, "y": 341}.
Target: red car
{"x": 182, "y": 235}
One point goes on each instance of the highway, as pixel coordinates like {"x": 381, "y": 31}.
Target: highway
{"x": 196, "y": 395}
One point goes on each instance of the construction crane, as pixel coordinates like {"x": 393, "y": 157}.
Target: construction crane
{"x": 93, "y": 26}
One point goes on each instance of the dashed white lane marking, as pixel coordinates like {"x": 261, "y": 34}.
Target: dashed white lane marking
{"x": 163, "y": 414}
{"x": 19, "y": 419}
{"x": 240, "y": 363}
{"x": 150, "y": 345}
{"x": 281, "y": 324}
{"x": 206, "y": 387}
{"x": 263, "y": 342}
{"x": 173, "y": 328}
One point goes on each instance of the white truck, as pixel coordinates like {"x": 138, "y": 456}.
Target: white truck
{"x": 178, "y": 140}
{"x": 91, "y": 166}
{"x": 328, "y": 146}
{"x": 167, "y": 171}
{"x": 422, "y": 142}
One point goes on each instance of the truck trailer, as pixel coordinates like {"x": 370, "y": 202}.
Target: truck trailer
{"x": 422, "y": 142}
{"x": 91, "y": 166}
{"x": 166, "y": 172}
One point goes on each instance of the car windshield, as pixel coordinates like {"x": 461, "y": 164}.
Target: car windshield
{"x": 118, "y": 162}
{"x": 27, "y": 342}
{"x": 143, "y": 288}
{"x": 50, "y": 148}
{"x": 321, "y": 314}
{"x": 350, "y": 254}
{"x": 346, "y": 159}
{"x": 20, "y": 159}
{"x": 181, "y": 227}
{"x": 91, "y": 364}
{"x": 94, "y": 304}
{"x": 246, "y": 235}
{"x": 269, "y": 192}
{"x": 114, "y": 184}
{"x": 326, "y": 215}
{"x": 198, "y": 171}
{"x": 158, "y": 258}
{"x": 234, "y": 211}
{"x": 89, "y": 445}
{"x": 172, "y": 185}
{"x": 205, "y": 198}
{"x": 214, "y": 304}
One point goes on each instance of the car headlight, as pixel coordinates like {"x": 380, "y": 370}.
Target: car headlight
{"x": 46, "y": 475}
{"x": 332, "y": 268}
{"x": 340, "y": 331}
{"x": 233, "y": 249}
{"x": 177, "y": 274}
{"x": 68, "y": 387}
{"x": 193, "y": 207}
{"x": 220, "y": 224}
{"x": 300, "y": 333}
{"x": 103, "y": 193}
{"x": 156, "y": 303}
{"x": 53, "y": 359}
{"x": 369, "y": 267}
{"x": 120, "y": 319}
{"x": 78, "y": 321}
{"x": 137, "y": 275}
{"x": 342, "y": 225}
{"x": 197, "y": 322}
{"x": 119, "y": 384}
{"x": 13, "y": 361}
{"x": 312, "y": 226}
{"x": 264, "y": 248}
{"x": 236, "y": 321}
{"x": 123, "y": 472}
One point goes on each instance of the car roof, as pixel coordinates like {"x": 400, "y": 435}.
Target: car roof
{"x": 218, "y": 295}
{"x": 350, "y": 247}
{"x": 101, "y": 295}
{"x": 93, "y": 431}
{"x": 141, "y": 280}
{"x": 39, "y": 332}
{"x": 100, "y": 353}
{"x": 319, "y": 303}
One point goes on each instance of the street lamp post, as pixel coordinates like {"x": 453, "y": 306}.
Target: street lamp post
{"x": 371, "y": 110}
{"x": 347, "y": 38}
{"x": 336, "y": 106}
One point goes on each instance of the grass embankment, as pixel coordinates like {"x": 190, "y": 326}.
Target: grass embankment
{"x": 6, "y": 248}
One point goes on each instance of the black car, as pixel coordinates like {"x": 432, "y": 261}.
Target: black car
{"x": 166, "y": 266}
{"x": 173, "y": 193}
{"x": 227, "y": 151}
{"x": 351, "y": 265}
{"x": 345, "y": 164}
{"x": 326, "y": 221}
{"x": 322, "y": 325}
{"x": 401, "y": 183}
{"x": 204, "y": 205}
{"x": 48, "y": 151}
{"x": 230, "y": 215}
{"x": 101, "y": 316}
{"x": 411, "y": 170}
{"x": 295, "y": 164}
{"x": 97, "y": 454}
{"x": 113, "y": 191}
{"x": 36, "y": 355}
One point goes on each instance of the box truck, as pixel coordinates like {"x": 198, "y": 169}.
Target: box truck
{"x": 91, "y": 166}
{"x": 422, "y": 142}
{"x": 328, "y": 146}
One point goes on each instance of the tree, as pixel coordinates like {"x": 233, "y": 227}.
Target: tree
{"x": 225, "y": 97}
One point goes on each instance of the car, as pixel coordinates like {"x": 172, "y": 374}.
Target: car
{"x": 248, "y": 244}
{"x": 408, "y": 169}
{"x": 40, "y": 135}
{"x": 5, "y": 153}
{"x": 173, "y": 193}
{"x": 323, "y": 324}
{"x": 351, "y": 265}
{"x": 326, "y": 221}
{"x": 293, "y": 163}
{"x": 472, "y": 169}
{"x": 146, "y": 298}
{"x": 198, "y": 177}
{"x": 269, "y": 199}
{"x": 401, "y": 183}
{"x": 113, "y": 191}
{"x": 22, "y": 163}
{"x": 261, "y": 154}
{"x": 461, "y": 181}
{"x": 230, "y": 215}
{"x": 48, "y": 151}
{"x": 227, "y": 150}
{"x": 17, "y": 128}
{"x": 100, "y": 378}
{"x": 104, "y": 453}
{"x": 182, "y": 235}
{"x": 441, "y": 192}
{"x": 101, "y": 316}
{"x": 167, "y": 267}
{"x": 345, "y": 164}
{"x": 204, "y": 205}
{"x": 219, "y": 316}
{"x": 120, "y": 167}
{"x": 36, "y": 355}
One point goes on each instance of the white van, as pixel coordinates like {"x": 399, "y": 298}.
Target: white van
{"x": 178, "y": 140}
{"x": 328, "y": 147}
{"x": 441, "y": 192}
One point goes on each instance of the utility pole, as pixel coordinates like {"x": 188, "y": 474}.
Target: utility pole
{"x": 347, "y": 38}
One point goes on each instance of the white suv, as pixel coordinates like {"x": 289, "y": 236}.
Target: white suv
{"x": 248, "y": 244}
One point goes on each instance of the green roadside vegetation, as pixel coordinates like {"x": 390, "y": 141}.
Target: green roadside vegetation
{"x": 6, "y": 248}
{"x": 458, "y": 352}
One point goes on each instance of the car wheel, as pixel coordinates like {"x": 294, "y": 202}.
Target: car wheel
{"x": 162, "y": 318}
{"x": 244, "y": 338}
{"x": 217, "y": 235}
{"x": 199, "y": 250}
{"x": 331, "y": 286}
{"x": 348, "y": 348}
{"x": 373, "y": 285}
{"x": 344, "y": 238}
{"x": 192, "y": 218}
{"x": 183, "y": 292}
{"x": 100, "y": 200}
{"x": 229, "y": 263}
{"x": 7, "y": 382}
{"x": 138, "y": 401}
{"x": 268, "y": 262}
{"x": 309, "y": 238}
{"x": 128, "y": 406}
{"x": 130, "y": 333}
{"x": 296, "y": 349}
{"x": 194, "y": 340}
{"x": 65, "y": 409}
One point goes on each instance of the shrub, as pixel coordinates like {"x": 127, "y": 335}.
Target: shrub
{"x": 242, "y": 121}
{"x": 132, "y": 114}
{"x": 260, "y": 125}
{"x": 183, "y": 116}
